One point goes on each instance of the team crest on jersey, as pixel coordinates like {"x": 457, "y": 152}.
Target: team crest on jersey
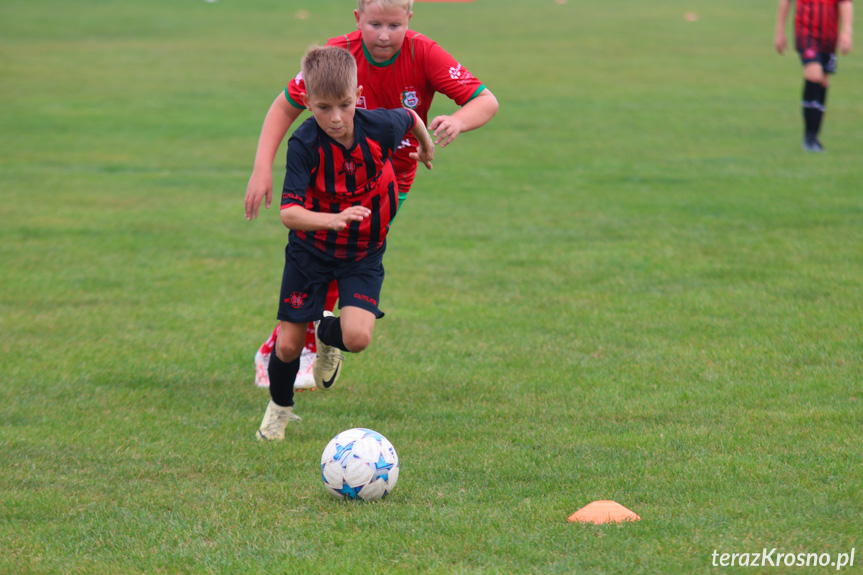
{"x": 361, "y": 103}
{"x": 350, "y": 167}
{"x": 297, "y": 299}
{"x": 410, "y": 99}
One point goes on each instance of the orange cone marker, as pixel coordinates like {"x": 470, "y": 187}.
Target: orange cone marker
{"x": 603, "y": 512}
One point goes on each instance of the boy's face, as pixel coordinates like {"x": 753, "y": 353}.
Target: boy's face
{"x": 335, "y": 115}
{"x": 383, "y": 29}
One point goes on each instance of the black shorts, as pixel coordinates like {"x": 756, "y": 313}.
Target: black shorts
{"x": 827, "y": 61}
{"x": 308, "y": 273}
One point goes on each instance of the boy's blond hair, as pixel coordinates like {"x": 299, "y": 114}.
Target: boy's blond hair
{"x": 329, "y": 72}
{"x": 406, "y": 4}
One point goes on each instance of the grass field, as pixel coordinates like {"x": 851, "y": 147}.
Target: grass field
{"x": 631, "y": 285}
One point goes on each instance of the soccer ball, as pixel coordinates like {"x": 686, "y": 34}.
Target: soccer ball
{"x": 359, "y": 464}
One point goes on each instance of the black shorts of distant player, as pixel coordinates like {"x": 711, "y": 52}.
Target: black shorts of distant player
{"x": 826, "y": 60}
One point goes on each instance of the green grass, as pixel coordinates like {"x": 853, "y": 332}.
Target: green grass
{"x": 630, "y": 285}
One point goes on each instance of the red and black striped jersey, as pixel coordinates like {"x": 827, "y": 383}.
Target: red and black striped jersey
{"x": 816, "y": 25}
{"x": 321, "y": 175}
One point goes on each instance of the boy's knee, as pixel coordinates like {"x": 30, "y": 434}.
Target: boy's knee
{"x": 814, "y": 72}
{"x": 357, "y": 340}
{"x": 287, "y": 350}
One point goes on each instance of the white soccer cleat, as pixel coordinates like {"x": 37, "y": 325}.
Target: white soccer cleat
{"x": 262, "y": 363}
{"x": 305, "y": 377}
{"x": 328, "y": 365}
{"x": 275, "y": 420}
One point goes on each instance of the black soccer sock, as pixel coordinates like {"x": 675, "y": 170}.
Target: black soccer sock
{"x": 330, "y": 332}
{"x": 821, "y": 98}
{"x": 814, "y": 95}
{"x": 282, "y": 376}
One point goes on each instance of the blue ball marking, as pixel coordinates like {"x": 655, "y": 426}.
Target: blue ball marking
{"x": 352, "y": 492}
{"x": 341, "y": 449}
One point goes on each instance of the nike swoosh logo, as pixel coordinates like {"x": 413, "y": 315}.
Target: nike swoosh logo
{"x": 329, "y": 383}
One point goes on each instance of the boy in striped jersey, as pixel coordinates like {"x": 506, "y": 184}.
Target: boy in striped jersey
{"x": 817, "y": 34}
{"x": 338, "y": 199}
{"x": 397, "y": 67}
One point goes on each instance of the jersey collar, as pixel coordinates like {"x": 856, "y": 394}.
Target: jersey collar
{"x": 379, "y": 64}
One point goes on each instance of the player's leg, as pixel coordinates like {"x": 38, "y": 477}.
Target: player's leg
{"x": 289, "y": 346}
{"x": 828, "y": 68}
{"x": 305, "y": 378}
{"x": 332, "y": 296}
{"x": 351, "y": 331}
{"x": 404, "y": 180}
{"x": 304, "y": 285}
{"x": 817, "y": 66}
{"x": 262, "y": 359}
{"x": 814, "y": 72}
{"x": 357, "y": 327}
{"x": 813, "y": 109}
{"x": 359, "y": 292}
{"x": 283, "y": 367}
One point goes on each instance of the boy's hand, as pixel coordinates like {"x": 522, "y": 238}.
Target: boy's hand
{"x": 845, "y": 42}
{"x": 779, "y": 42}
{"x": 340, "y": 221}
{"x": 260, "y": 186}
{"x": 424, "y": 154}
{"x": 445, "y": 129}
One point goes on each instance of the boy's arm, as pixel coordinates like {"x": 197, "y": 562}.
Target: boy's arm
{"x": 425, "y": 151}
{"x": 296, "y": 217}
{"x": 302, "y": 162}
{"x": 779, "y": 41}
{"x": 280, "y": 117}
{"x": 846, "y": 16}
{"x": 471, "y": 116}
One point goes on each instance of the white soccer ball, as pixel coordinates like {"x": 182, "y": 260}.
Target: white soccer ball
{"x": 359, "y": 464}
